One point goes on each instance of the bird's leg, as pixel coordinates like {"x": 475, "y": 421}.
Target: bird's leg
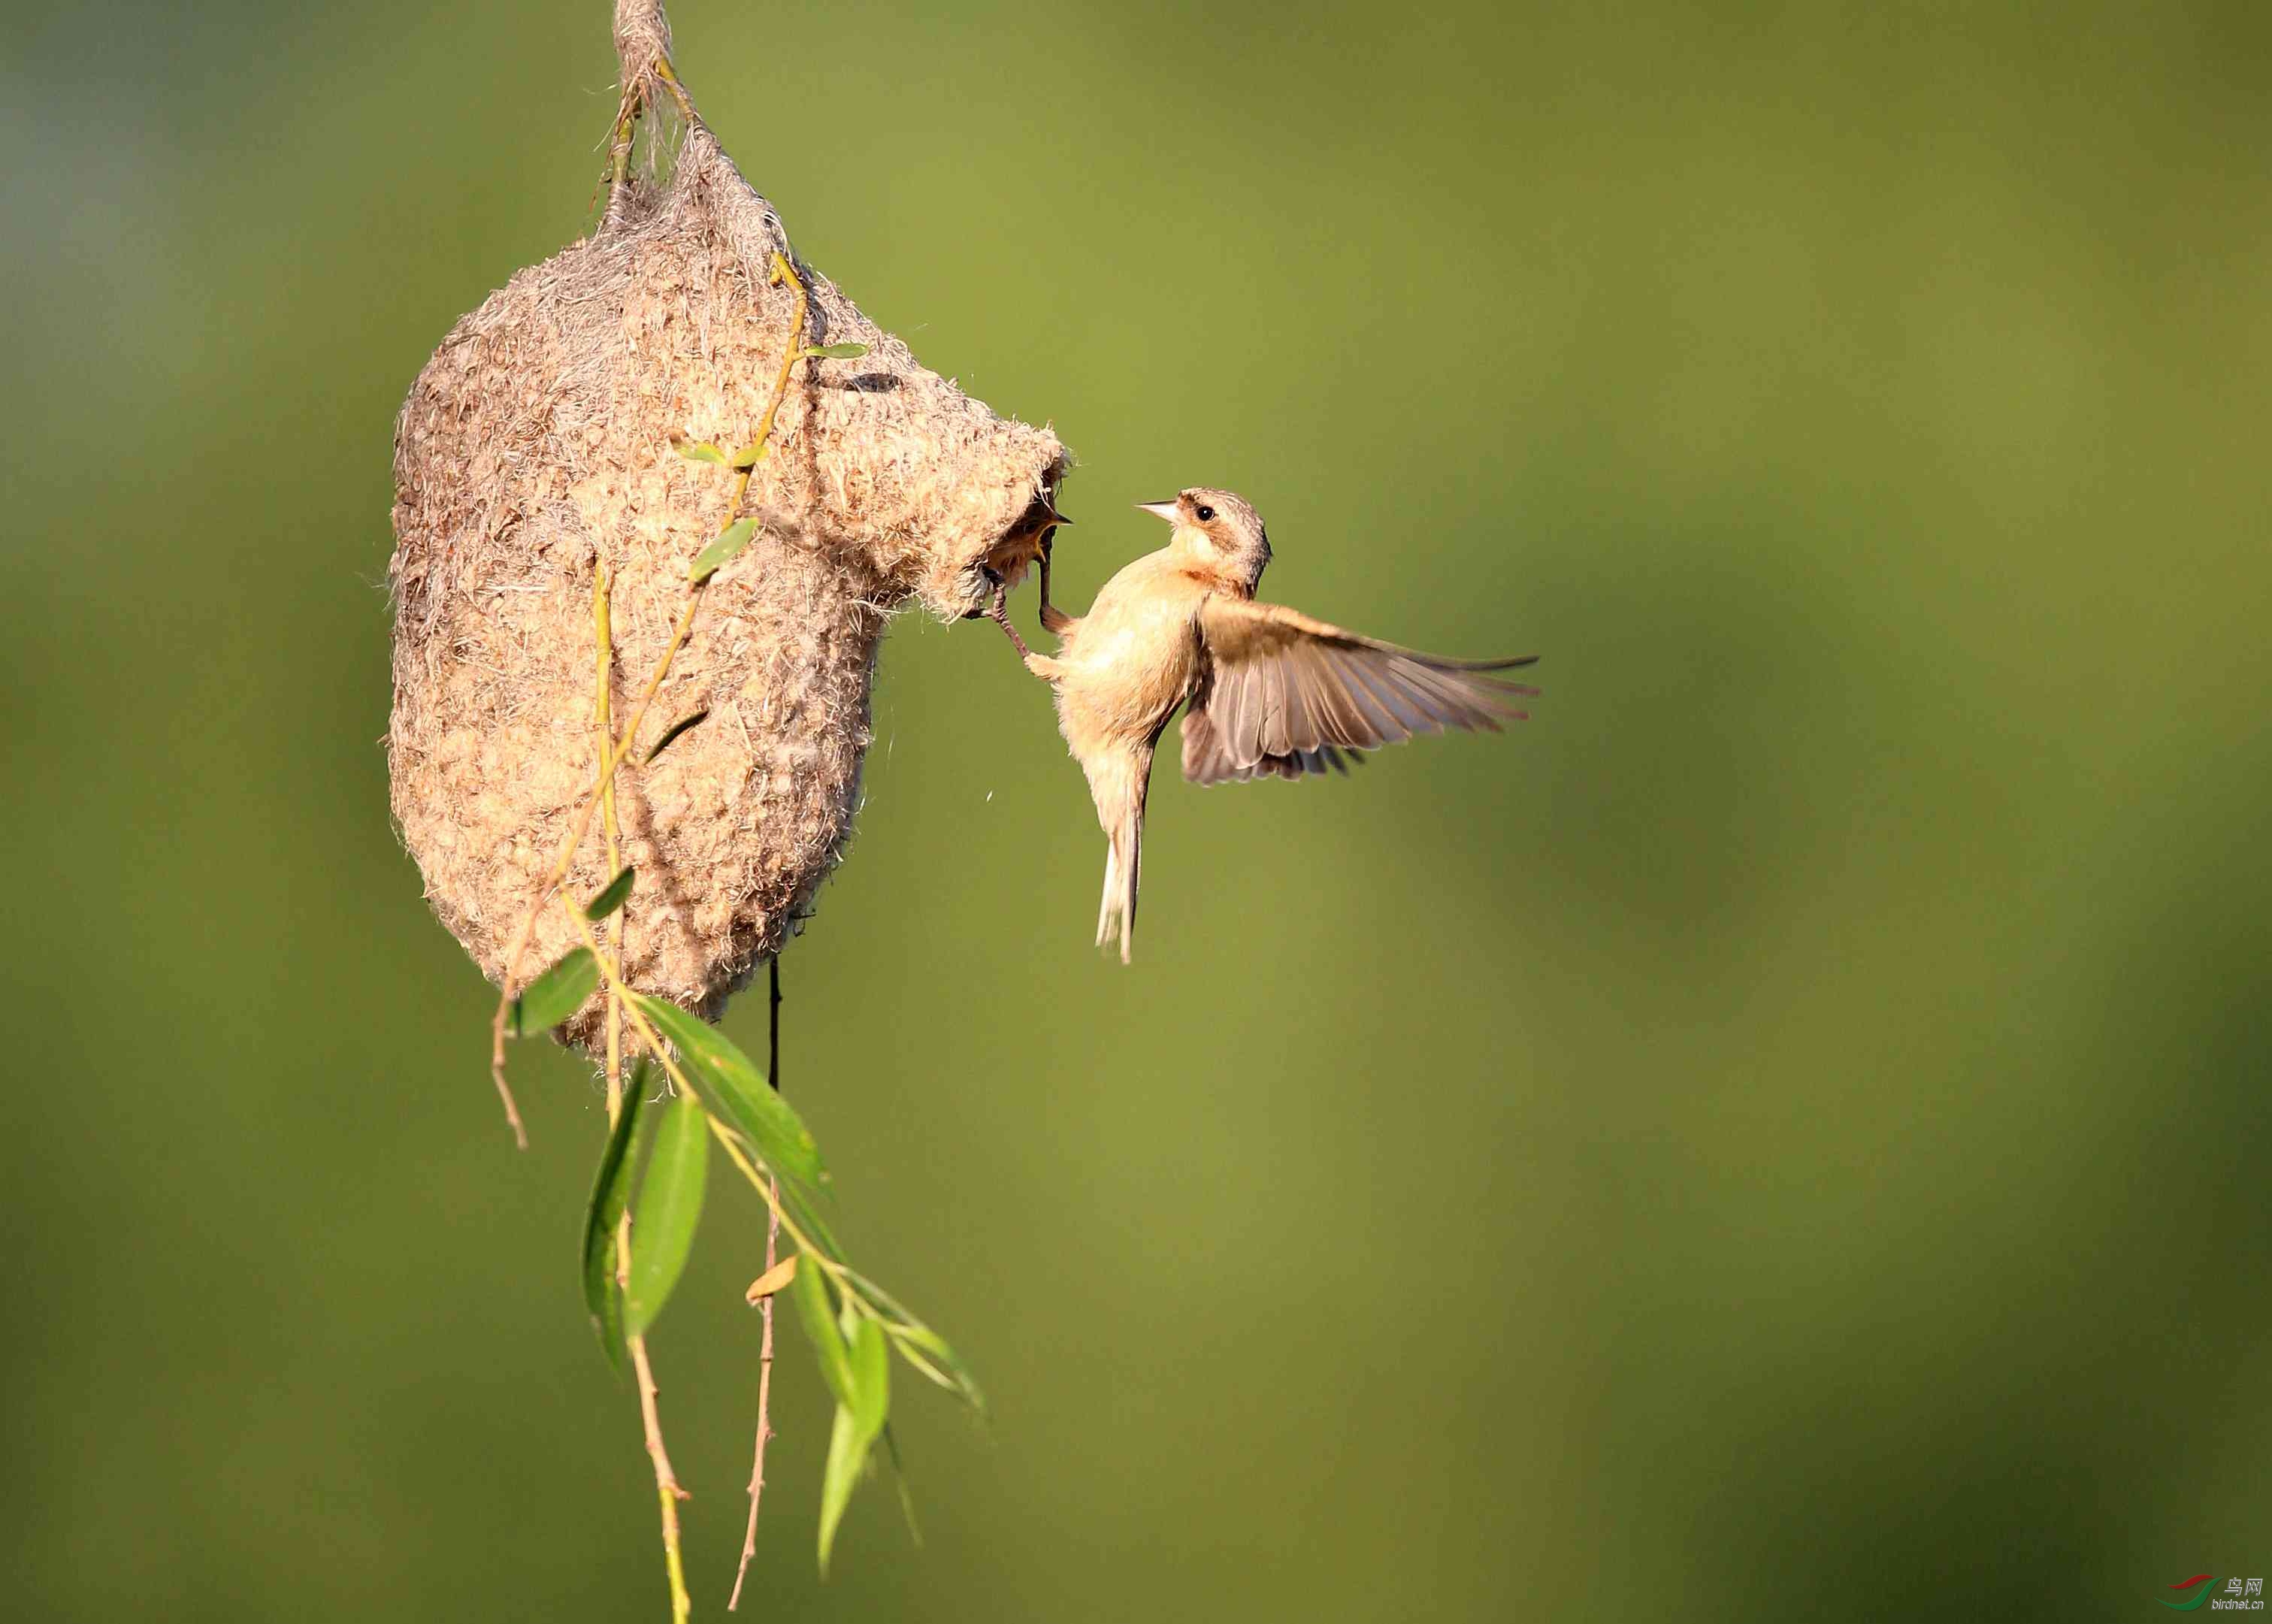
{"x": 1053, "y": 619}
{"x": 997, "y": 612}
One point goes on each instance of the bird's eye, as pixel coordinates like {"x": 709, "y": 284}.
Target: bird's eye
{"x": 1206, "y": 513}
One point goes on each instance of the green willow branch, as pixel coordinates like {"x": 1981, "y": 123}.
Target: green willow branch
{"x": 603, "y": 783}
{"x": 667, "y": 1488}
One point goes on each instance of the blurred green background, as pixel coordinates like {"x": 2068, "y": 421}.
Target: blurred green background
{"x": 1780, "y": 1136}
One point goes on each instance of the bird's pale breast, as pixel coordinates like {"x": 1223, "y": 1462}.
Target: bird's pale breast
{"x": 1135, "y": 653}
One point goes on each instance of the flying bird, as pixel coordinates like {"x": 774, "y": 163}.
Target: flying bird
{"x": 1267, "y": 691}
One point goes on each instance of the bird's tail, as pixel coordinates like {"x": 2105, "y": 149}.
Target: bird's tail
{"x": 1120, "y": 808}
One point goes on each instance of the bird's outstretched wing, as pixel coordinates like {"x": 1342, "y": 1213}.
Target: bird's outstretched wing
{"x": 1283, "y": 694}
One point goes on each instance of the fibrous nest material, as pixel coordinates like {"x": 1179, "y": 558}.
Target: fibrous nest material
{"x": 536, "y": 447}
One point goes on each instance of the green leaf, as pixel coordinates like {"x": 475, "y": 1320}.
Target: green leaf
{"x": 836, "y": 352}
{"x": 920, "y": 1345}
{"x": 750, "y": 456}
{"x": 871, "y": 1377}
{"x": 734, "y": 1090}
{"x": 900, "y": 1482}
{"x": 812, "y": 1300}
{"x": 858, "y": 1420}
{"x": 557, "y": 994}
{"x": 836, "y": 1481}
{"x": 928, "y": 1351}
{"x": 610, "y": 1187}
{"x": 611, "y": 896}
{"x": 669, "y": 1208}
{"x": 697, "y": 451}
{"x": 677, "y": 728}
{"x": 730, "y": 541}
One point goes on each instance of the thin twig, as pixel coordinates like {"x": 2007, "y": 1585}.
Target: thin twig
{"x": 765, "y": 1403}
{"x": 619, "y": 146}
{"x": 666, "y": 1480}
{"x": 511, "y": 1111}
{"x": 602, "y": 708}
{"x": 510, "y": 986}
{"x": 783, "y": 272}
{"x": 766, "y": 1306}
{"x": 612, "y": 751}
{"x": 631, "y": 107}
{"x": 668, "y": 1492}
{"x": 668, "y": 75}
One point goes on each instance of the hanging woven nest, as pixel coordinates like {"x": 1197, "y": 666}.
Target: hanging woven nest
{"x": 537, "y": 448}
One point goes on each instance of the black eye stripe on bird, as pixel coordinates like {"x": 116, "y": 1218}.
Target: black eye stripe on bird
{"x": 1267, "y": 691}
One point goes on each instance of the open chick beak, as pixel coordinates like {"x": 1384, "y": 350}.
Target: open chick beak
{"x": 1169, "y": 511}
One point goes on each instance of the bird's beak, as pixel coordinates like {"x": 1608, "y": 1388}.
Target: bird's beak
{"x": 1168, "y": 510}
